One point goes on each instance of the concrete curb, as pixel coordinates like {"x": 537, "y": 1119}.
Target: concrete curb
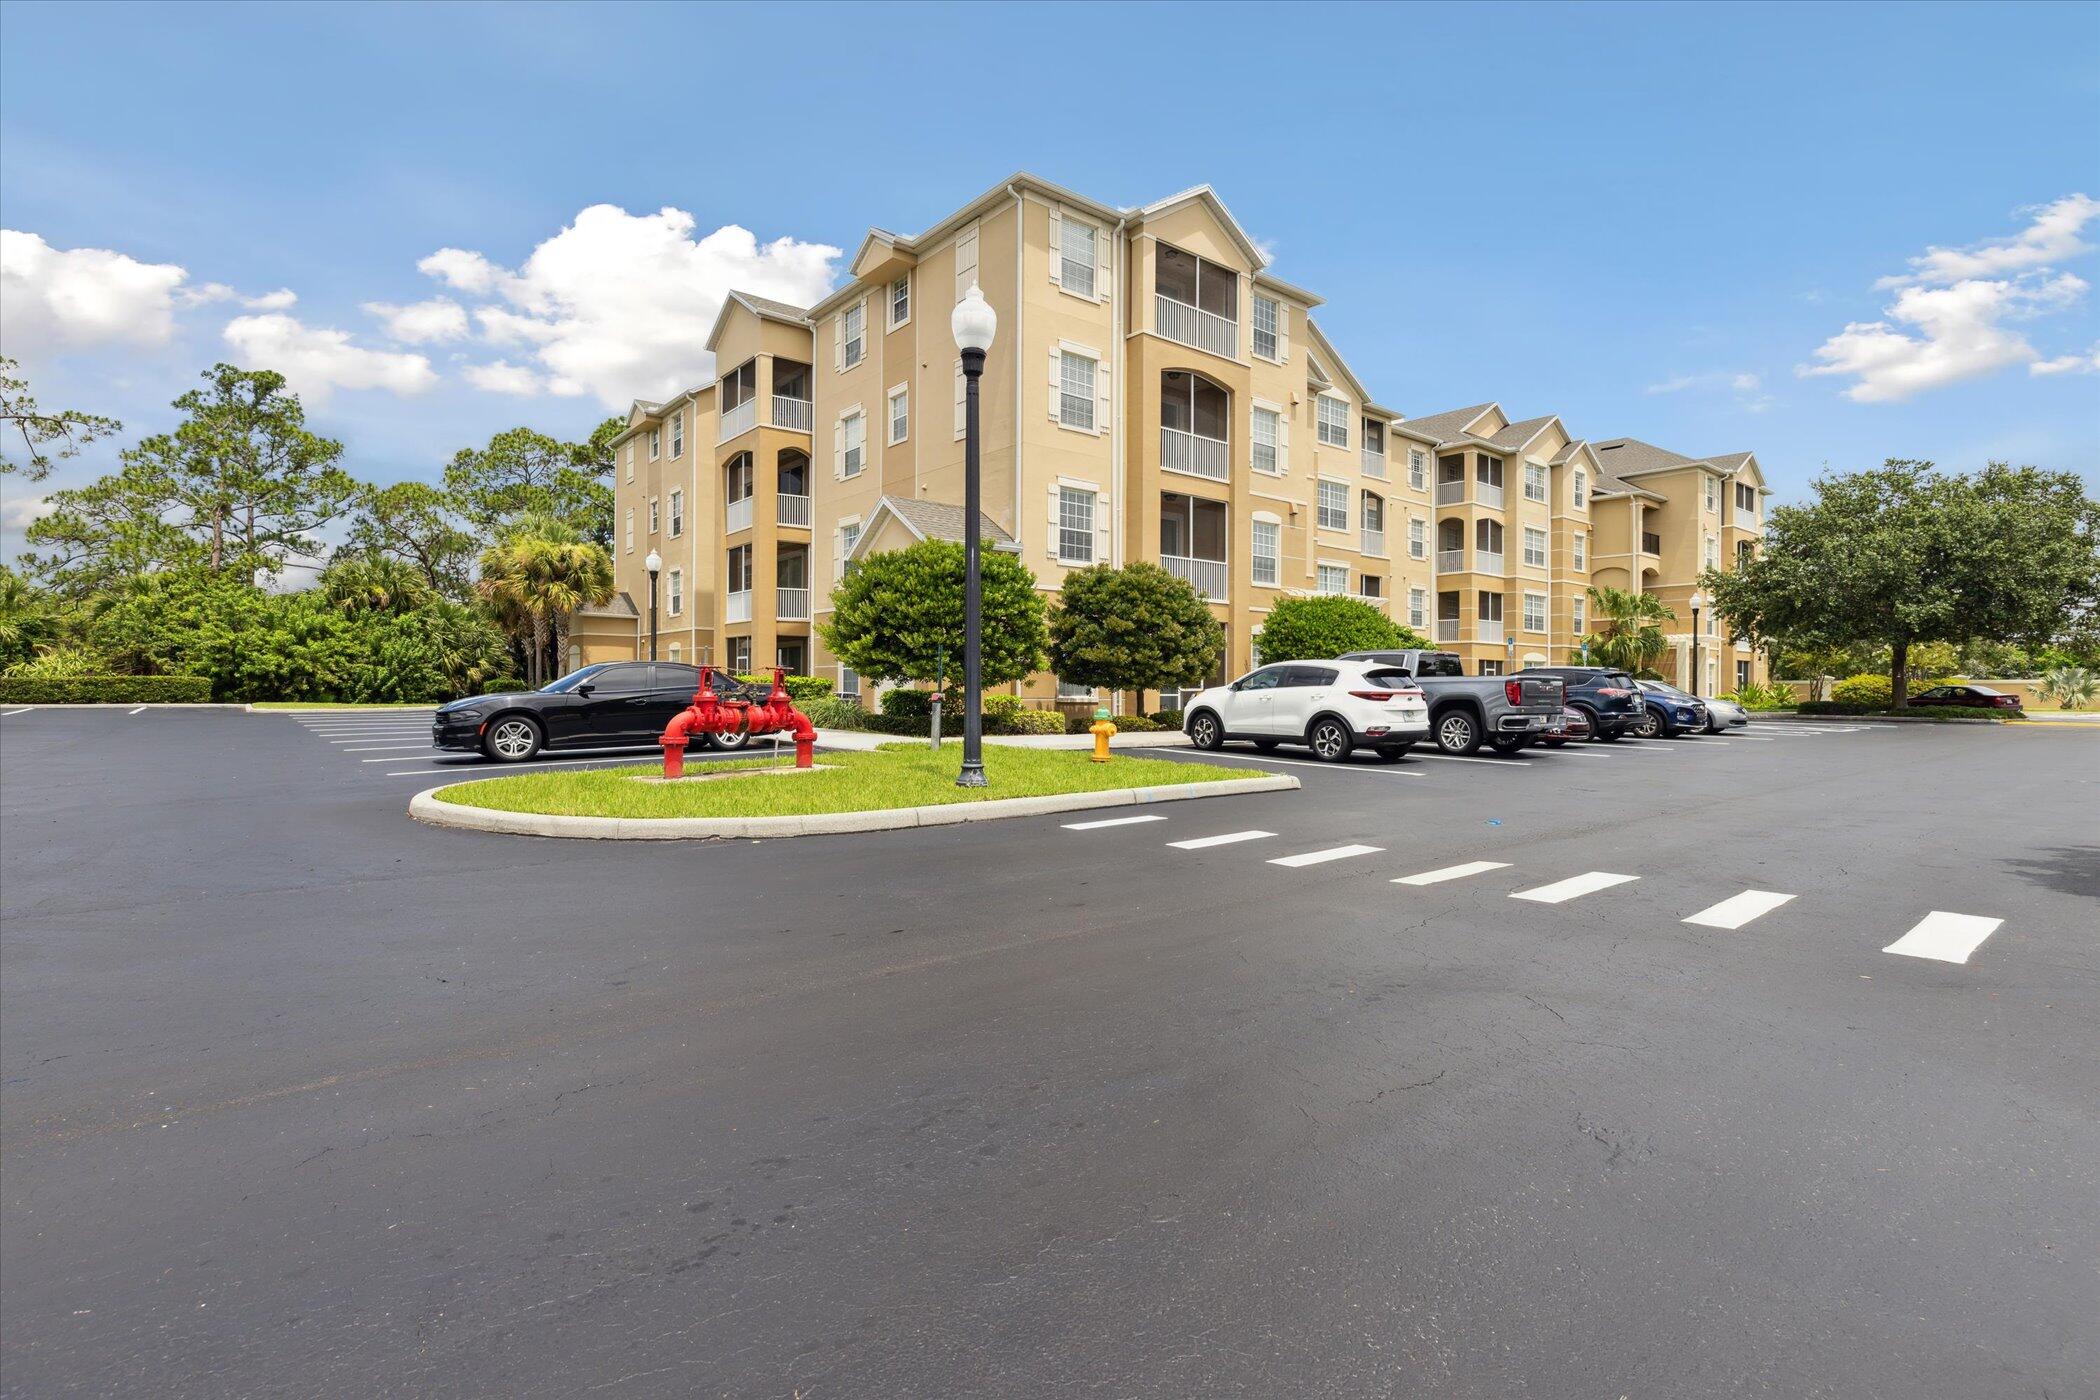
{"x": 426, "y": 807}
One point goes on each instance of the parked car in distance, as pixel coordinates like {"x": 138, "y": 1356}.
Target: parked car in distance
{"x": 1724, "y": 715}
{"x": 613, "y": 704}
{"x": 1333, "y": 707}
{"x": 1670, "y": 711}
{"x": 1505, "y": 712}
{"x": 1574, "y": 725}
{"x": 1606, "y": 695}
{"x": 1979, "y": 697}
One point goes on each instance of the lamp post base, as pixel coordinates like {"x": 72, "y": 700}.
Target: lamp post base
{"x": 972, "y": 776}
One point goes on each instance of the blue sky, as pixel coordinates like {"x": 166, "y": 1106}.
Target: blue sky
{"x": 1647, "y": 219}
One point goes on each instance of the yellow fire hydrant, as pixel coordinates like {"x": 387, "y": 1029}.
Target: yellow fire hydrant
{"x": 1103, "y": 728}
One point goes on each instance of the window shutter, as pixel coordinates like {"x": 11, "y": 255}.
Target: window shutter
{"x": 1283, "y": 444}
{"x": 1283, "y": 332}
{"x": 1103, "y": 394}
{"x": 838, "y": 449}
{"x": 867, "y": 327}
{"x": 1057, "y": 384}
{"x": 838, "y": 342}
{"x": 1057, "y": 248}
{"x": 961, "y": 407}
{"x": 1050, "y": 538}
{"x": 1100, "y": 527}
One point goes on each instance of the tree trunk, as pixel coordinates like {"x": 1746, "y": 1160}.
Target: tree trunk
{"x": 1899, "y": 674}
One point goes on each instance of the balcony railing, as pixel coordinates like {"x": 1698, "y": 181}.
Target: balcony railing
{"x": 1490, "y": 631}
{"x": 1373, "y": 541}
{"x": 1450, "y": 561}
{"x": 1448, "y": 629}
{"x": 738, "y": 516}
{"x": 1199, "y": 456}
{"x": 1651, "y": 543}
{"x": 795, "y": 415}
{"x": 741, "y": 419}
{"x": 1450, "y": 493}
{"x": 791, "y": 605}
{"x": 1486, "y": 495}
{"x": 794, "y": 510}
{"x": 1487, "y": 561}
{"x": 737, "y": 608}
{"x": 1374, "y": 464}
{"x": 1211, "y": 577}
{"x": 1206, "y": 330}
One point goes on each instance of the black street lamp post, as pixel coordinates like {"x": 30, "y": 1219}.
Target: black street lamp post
{"x": 1698, "y": 601}
{"x": 653, "y": 564}
{"x": 974, "y": 323}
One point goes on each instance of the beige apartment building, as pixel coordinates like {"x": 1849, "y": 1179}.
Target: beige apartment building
{"x": 1155, "y": 392}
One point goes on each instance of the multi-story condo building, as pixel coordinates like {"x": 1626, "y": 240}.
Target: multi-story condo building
{"x": 663, "y": 503}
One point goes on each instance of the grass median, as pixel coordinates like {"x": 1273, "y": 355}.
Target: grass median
{"x": 894, "y": 776}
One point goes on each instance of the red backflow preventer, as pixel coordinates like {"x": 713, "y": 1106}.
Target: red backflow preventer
{"x": 737, "y": 708}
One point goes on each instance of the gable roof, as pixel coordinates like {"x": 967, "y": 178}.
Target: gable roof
{"x": 1517, "y": 436}
{"x": 1208, "y": 197}
{"x": 1451, "y": 426}
{"x": 765, "y": 308}
{"x": 930, "y": 520}
{"x": 1341, "y": 367}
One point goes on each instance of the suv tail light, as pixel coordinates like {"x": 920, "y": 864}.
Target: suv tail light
{"x": 1613, "y": 692}
{"x": 1380, "y": 695}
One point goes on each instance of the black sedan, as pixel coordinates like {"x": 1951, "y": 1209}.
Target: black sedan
{"x": 615, "y": 704}
{"x": 1974, "y": 697}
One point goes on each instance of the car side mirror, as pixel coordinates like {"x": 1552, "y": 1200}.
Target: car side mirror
{"x": 585, "y": 690}
{"x": 1235, "y": 685}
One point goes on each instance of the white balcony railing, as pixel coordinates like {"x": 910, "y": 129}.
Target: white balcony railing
{"x": 1447, "y": 629}
{"x": 1373, "y": 541}
{"x": 1450, "y": 561}
{"x": 792, "y": 605}
{"x": 1487, "y": 561}
{"x": 1206, "y": 330}
{"x": 1486, "y": 495}
{"x": 1211, "y": 577}
{"x": 794, "y": 510}
{"x": 741, "y": 419}
{"x": 1490, "y": 632}
{"x": 1374, "y": 464}
{"x": 738, "y": 607}
{"x": 738, "y": 516}
{"x": 1199, "y": 456}
{"x": 1450, "y": 493}
{"x": 795, "y": 415}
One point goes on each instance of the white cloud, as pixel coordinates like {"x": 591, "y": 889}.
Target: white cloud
{"x": 1956, "y": 311}
{"x": 65, "y": 299}
{"x": 283, "y": 299}
{"x": 318, "y": 361}
{"x": 1747, "y": 389}
{"x": 23, "y": 511}
{"x": 618, "y": 305}
{"x": 440, "y": 318}
{"x": 2086, "y": 363}
{"x": 503, "y": 377}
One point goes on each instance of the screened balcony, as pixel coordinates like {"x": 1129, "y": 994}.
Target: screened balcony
{"x": 1192, "y": 537}
{"x": 793, "y": 505}
{"x": 792, "y": 406}
{"x": 1194, "y": 415}
{"x": 1196, "y": 302}
{"x": 738, "y": 398}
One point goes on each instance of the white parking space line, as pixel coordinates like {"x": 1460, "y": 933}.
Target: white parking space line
{"x": 501, "y": 769}
{"x": 1111, "y": 821}
{"x": 23, "y": 711}
{"x": 1322, "y": 857}
{"x": 1640, "y": 746}
{"x": 380, "y": 748}
{"x": 1740, "y": 909}
{"x": 1578, "y": 753}
{"x": 1230, "y": 838}
{"x": 1945, "y": 937}
{"x": 1452, "y": 872}
{"x": 1383, "y": 769}
{"x": 1754, "y": 739}
{"x": 139, "y": 711}
{"x": 1561, "y": 891}
{"x": 1463, "y": 758}
{"x": 382, "y": 734}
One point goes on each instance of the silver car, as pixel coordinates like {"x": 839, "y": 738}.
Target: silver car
{"x": 1723, "y": 715}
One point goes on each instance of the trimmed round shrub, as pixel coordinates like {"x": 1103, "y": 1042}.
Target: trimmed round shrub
{"x": 1035, "y": 722}
{"x": 1863, "y": 690}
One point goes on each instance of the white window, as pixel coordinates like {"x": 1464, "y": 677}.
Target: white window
{"x": 1068, "y": 690}
{"x": 1582, "y": 489}
{"x": 1581, "y": 551}
{"x": 1575, "y": 609}
{"x": 1534, "y": 547}
{"x": 849, "y": 681}
{"x": 855, "y": 442}
{"x": 677, "y": 514}
{"x": 1075, "y": 525}
{"x": 630, "y": 459}
{"x": 1418, "y": 538}
{"x": 676, "y": 593}
{"x": 900, "y": 301}
{"x": 1268, "y": 552}
{"x": 655, "y": 516}
{"x": 740, "y": 654}
{"x": 1333, "y": 421}
{"x": 630, "y": 529}
{"x": 1534, "y": 482}
{"x": 677, "y": 652}
{"x": 1333, "y": 506}
{"x": 1076, "y": 257}
{"x": 900, "y": 414}
{"x": 1266, "y": 323}
{"x": 1418, "y": 607}
{"x": 1534, "y": 612}
{"x": 853, "y": 334}
{"x": 1075, "y": 389}
{"x": 1264, "y": 440}
{"x": 1333, "y": 578}
{"x": 656, "y": 443}
{"x": 1713, "y": 552}
{"x": 1713, "y": 495}
{"x": 1418, "y": 469}
{"x": 678, "y": 435}
{"x": 849, "y": 536}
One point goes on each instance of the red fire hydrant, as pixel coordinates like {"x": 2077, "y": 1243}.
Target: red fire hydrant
{"x": 739, "y": 714}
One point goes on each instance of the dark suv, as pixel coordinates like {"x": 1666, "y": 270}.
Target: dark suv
{"x": 1608, "y": 698}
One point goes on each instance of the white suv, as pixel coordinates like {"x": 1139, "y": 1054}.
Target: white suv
{"x": 1331, "y": 706}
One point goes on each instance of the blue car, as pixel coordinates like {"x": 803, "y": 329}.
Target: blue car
{"x": 1671, "y": 712}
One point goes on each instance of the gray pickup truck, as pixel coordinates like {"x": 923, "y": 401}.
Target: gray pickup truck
{"x": 1505, "y": 712}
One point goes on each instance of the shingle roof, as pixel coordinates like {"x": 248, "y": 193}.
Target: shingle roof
{"x": 619, "y": 605}
{"x": 1730, "y": 461}
{"x": 1621, "y": 456}
{"x": 937, "y": 520}
{"x": 1448, "y": 426}
{"x": 778, "y": 310}
{"x": 1517, "y": 434}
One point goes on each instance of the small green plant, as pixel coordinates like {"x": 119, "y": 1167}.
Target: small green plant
{"x": 1033, "y": 722}
{"x": 831, "y": 712}
{"x": 1870, "y": 690}
{"x": 1166, "y": 719}
{"x": 1761, "y": 697}
{"x": 105, "y": 690}
{"x": 2072, "y": 687}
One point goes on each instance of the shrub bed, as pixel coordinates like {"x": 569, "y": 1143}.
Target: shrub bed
{"x": 105, "y": 690}
{"x": 1838, "y": 707}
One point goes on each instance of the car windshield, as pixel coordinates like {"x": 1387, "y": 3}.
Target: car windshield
{"x": 572, "y": 680}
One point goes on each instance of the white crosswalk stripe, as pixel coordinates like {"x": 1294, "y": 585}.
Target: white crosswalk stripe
{"x": 1322, "y": 857}
{"x": 1452, "y": 872}
{"x": 1945, "y": 937}
{"x": 1230, "y": 838}
{"x": 1574, "y": 887}
{"x": 1737, "y": 910}
{"x": 1110, "y": 821}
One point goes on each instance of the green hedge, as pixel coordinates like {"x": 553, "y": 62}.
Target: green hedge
{"x": 1836, "y": 707}
{"x": 105, "y": 690}
{"x": 800, "y": 689}
{"x": 1866, "y": 689}
{"x": 1125, "y": 724}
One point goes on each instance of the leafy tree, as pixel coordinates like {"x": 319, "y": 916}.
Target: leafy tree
{"x": 595, "y": 453}
{"x": 99, "y": 535}
{"x": 1134, "y": 628}
{"x": 47, "y": 438}
{"x": 521, "y": 473}
{"x": 356, "y": 586}
{"x": 1629, "y": 631}
{"x": 28, "y": 621}
{"x": 1324, "y": 627}
{"x": 535, "y": 578}
{"x": 412, "y": 522}
{"x": 898, "y": 616}
{"x": 1903, "y": 555}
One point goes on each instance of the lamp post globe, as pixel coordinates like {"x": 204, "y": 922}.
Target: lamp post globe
{"x": 654, "y": 564}
{"x": 974, "y": 324}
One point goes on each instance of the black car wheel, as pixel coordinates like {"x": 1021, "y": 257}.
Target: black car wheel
{"x": 512, "y": 739}
{"x": 1392, "y": 753}
{"x": 729, "y": 743}
{"x": 1606, "y": 736}
{"x": 1648, "y": 726}
{"x": 1330, "y": 740}
{"x": 1457, "y": 733}
{"x": 1205, "y": 732}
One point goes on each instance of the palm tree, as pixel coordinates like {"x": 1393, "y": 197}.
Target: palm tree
{"x": 1629, "y": 632}
{"x": 2069, "y": 686}
{"x": 536, "y": 578}
{"x": 27, "y": 621}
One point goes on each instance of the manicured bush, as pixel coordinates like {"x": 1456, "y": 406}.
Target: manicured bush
{"x": 1034, "y": 722}
{"x": 907, "y": 703}
{"x": 1319, "y": 628}
{"x": 1125, "y": 724}
{"x": 800, "y": 689}
{"x": 1000, "y": 707}
{"x": 832, "y": 712}
{"x": 105, "y": 690}
{"x": 1866, "y": 689}
{"x": 914, "y": 726}
{"x": 1166, "y": 719}
{"x": 1837, "y": 707}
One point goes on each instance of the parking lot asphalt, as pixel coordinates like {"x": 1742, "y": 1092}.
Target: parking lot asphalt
{"x": 1759, "y": 1065}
